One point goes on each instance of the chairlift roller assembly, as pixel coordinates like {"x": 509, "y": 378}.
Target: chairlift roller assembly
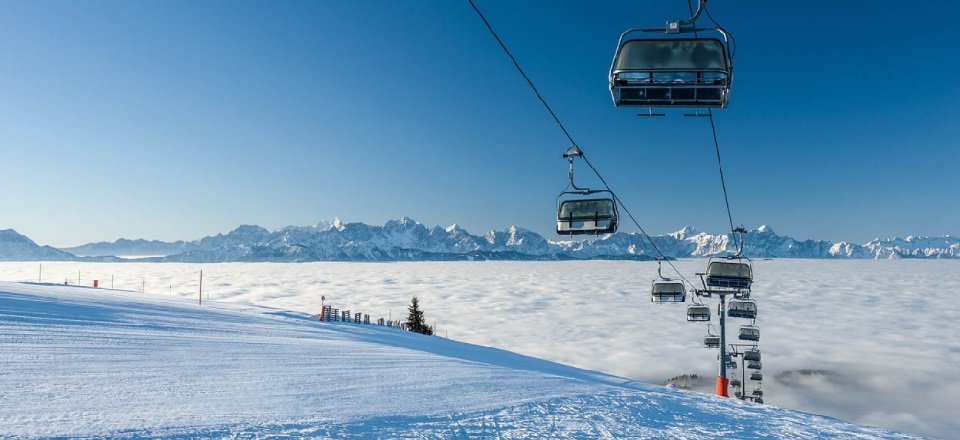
{"x": 672, "y": 70}
{"x": 579, "y": 211}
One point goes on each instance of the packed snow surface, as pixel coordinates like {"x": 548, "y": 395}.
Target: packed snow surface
{"x": 84, "y": 362}
{"x": 868, "y": 341}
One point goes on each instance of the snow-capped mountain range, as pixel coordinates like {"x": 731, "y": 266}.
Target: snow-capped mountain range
{"x": 408, "y": 240}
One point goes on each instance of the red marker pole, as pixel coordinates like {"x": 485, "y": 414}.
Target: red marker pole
{"x": 722, "y": 381}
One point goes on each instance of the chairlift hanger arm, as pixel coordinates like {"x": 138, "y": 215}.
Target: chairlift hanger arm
{"x": 572, "y": 153}
{"x": 701, "y": 5}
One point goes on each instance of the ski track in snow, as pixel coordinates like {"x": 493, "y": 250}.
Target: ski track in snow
{"x": 876, "y": 327}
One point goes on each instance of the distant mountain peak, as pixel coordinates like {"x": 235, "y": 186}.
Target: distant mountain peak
{"x": 685, "y": 232}
{"x": 402, "y": 222}
{"x": 15, "y": 246}
{"x": 11, "y": 235}
{"x": 329, "y": 225}
{"x": 249, "y": 229}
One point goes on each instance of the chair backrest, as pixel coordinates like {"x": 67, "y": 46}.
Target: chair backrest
{"x": 672, "y": 55}
{"x": 729, "y": 269}
{"x": 584, "y": 209}
{"x": 664, "y": 287}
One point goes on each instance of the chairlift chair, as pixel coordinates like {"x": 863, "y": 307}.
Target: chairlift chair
{"x": 756, "y": 376}
{"x": 751, "y": 354}
{"x": 757, "y": 393}
{"x": 698, "y": 312}
{"x": 711, "y": 341}
{"x": 754, "y": 365}
{"x": 743, "y": 308}
{"x": 580, "y": 211}
{"x": 730, "y": 273}
{"x": 749, "y": 333}
{"x": 672, "y": 71}
{"x": 579, "y": 215}
{"x": 758, "y": 400}
{"x": 665, "y": 290}
{"x": 735, "y": 383}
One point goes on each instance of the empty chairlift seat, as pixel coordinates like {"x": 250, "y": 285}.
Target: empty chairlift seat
{"x": 756, "y": 376}
{"x": 729, "y": 273}
{"x": 757, "y": 393}
{"x": 735, "y": 383}
{"x": 698, "y": 312}
{"x": 754, "y": 365}
{"x": 743, "y": 308}
{"x": 749, "y": 333}
{"x": 711, "y": 341}
{"x": 587, "y": 216}
{"x": 670, "y": 72}
{"x": 751, "y": 355}
{"x": 666, "y": 291}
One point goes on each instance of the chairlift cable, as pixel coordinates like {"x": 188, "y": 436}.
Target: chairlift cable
{"x": 723, "y": 182}
{"x": 635, "y": 222}
{"x": 713, "y": 128}
{"x": 572, "y": 142}
{"x": 522, "y": 73}
{"x": 733, "y": 40}
{"x": 690, "y": 8}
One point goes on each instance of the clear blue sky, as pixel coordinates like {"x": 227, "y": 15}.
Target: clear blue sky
{"x": 178, "y": 119}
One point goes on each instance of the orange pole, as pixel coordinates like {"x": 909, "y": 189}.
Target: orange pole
{"x": 722, "y": 383}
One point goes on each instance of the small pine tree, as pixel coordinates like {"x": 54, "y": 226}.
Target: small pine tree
{"x": 415, "y": 321}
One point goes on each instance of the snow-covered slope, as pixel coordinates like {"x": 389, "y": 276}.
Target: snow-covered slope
{"x": 85, "y": 362}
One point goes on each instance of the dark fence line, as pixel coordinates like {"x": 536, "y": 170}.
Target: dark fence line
{"x": 333, "y": 314}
